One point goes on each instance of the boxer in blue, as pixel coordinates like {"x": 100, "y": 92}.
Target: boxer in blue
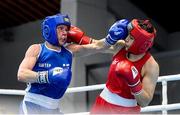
{"x": 46, "y": 67}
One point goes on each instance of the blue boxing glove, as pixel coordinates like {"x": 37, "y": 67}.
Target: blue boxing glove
{"x": 56, "y": 75}
{"x": 118, "y": 31}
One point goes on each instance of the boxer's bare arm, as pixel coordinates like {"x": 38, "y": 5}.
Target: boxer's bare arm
{"x": 150, "y": 77}
{"x": 116, "y": 47}
{"x": 25, "y": 73}
{"x": 84, "y": 50}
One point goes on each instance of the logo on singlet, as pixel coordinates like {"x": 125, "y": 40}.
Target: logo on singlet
{"x": 134, "y": 72}
{"x": 57, "y": 70}
{"x": 66, "y": 65}
{"x": 46, "y": 65}
{"x": 115, "y": 61}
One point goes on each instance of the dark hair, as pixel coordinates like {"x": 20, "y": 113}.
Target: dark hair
{"x": 146, "y": 25}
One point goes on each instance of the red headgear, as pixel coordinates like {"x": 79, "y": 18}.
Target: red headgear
{"x": 143, "y": 40}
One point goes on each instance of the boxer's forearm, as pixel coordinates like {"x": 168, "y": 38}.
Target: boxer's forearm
{"x": 26, "y": 75}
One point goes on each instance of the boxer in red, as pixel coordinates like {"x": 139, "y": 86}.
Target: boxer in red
{"x": 132, "y": 75}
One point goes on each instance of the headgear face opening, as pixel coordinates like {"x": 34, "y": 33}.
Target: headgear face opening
{"x": 143, "y": 40}
{"x": 49, "y": 26}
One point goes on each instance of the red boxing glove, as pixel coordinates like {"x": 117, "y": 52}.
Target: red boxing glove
{"x": 77, "y": 36}
{"x": 128, "y": 71}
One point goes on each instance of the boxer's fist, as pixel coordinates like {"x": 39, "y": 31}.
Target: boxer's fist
{"x": 129, "y": 72}
{"x": 76, "y": 35}
{"x": 56, "y": 75}
{"x": 118, "y": 31}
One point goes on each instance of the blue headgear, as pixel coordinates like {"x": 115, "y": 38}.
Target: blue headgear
{"x": 49, "y": 26}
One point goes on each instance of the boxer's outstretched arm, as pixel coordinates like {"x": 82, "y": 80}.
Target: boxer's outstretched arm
{"x": 115, "y": 48}
{"x": 84, "y": 50}
{"x": 76, "y": 35}
{"x": 118, "y": 31}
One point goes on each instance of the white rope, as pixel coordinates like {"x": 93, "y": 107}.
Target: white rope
{"x": 154, "y": 108}
{"x": 12, "y": 92}
{"x": 86, "y": 88}
{"x": 69, "y": 90}
{"x": 161, "y": 107}
{"x": 163, "y": 79}
{"x": 80, "y": 113}
{"x": 169, "y": 78}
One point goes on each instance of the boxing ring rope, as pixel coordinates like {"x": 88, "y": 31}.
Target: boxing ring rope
{"x": 163, "y": 79}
